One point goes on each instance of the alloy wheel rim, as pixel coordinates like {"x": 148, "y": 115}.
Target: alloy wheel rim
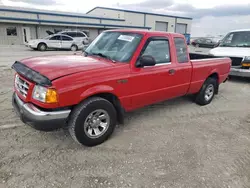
{"x": 96, "y": 123}
{"x": 209, "y": 92}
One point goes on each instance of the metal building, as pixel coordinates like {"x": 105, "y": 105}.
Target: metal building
{"x": 19, "y": 25}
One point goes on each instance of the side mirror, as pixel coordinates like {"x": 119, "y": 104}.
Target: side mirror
{"x": 146, "y": 60}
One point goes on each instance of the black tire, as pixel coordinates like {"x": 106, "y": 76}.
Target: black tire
{"x": 74, "y": 48}
{"x": 202, "y": 98}
{"x": 42, "y": 47}
{"x": 82, "y": 111}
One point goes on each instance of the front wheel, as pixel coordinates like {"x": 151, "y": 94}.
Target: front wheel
{"x": 92, "y": 121}
{"x": 42, "y": 47}
{"x": 207, "y": 92}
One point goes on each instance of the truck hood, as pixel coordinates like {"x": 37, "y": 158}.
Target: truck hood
{"x": 61, "y": 65}
{"x": 230, "y": 51}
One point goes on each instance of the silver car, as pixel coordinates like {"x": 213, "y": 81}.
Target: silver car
{"x": 56, "y": 41}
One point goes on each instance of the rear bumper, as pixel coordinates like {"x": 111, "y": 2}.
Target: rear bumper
{"x": 237, "y": 71}
{"x": 41, "y": 120}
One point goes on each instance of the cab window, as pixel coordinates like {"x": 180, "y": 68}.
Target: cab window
{"x": 158, "y": 48}
{"x": 181, "y": 50}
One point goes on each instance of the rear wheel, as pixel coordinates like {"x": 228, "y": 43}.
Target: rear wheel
{"x": 74, "y": 48}
{"x": 207, "y": 92}
{"x": 92, "y": 121}
{"x": 42, "y": 47}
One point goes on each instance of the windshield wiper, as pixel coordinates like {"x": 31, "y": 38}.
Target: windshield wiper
{"x": 105, "y": 56}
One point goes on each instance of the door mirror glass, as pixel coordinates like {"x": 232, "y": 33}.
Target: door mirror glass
{"x": 146, "y": 60}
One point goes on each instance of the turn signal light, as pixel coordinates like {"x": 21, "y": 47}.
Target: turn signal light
{"x": 246, "y": 64}
{"x": 51, "y": 96}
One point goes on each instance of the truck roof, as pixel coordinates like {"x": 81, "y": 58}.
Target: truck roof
{"x": 141, "y": 31}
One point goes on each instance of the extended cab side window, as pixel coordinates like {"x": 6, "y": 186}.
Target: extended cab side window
{"x": 181, "y": 50}
{"x": 158, "y": 49}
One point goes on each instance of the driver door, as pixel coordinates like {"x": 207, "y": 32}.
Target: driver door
{"x": 153, "y": 84}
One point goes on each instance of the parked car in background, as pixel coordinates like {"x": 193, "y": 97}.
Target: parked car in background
{"x": 77, "y": 35}
{"x": 236, "y": 45}
{"x": 56, "y": 41}
{"x": 120, "y": 71}
{"x": 204, "y": 42}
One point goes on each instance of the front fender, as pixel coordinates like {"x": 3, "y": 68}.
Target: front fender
{"x": 97, "y": 90}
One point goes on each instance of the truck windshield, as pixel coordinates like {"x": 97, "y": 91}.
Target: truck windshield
{"x": 116, "y": 46}
{"x": 236, "y": 39}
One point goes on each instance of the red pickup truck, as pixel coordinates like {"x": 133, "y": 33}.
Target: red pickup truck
{"x": 120, "y": 71}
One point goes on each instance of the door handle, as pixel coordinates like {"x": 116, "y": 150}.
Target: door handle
{"x": 171, "y": 71}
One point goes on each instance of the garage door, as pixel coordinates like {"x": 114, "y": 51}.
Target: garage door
{"x": 161, "y": 26}
{"x": 181, "y": 28}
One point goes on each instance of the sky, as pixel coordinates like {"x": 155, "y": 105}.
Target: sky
{"x": 210, "y": 17}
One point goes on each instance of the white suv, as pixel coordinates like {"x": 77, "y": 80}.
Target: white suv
{"x": 77, "y": 35}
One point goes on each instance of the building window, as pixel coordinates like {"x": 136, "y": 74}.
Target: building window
{"x": 11, "y": 31}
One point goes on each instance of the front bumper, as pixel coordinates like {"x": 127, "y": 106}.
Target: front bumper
{"x": 31, "y": 45}
{"x": 40, "y": 120}
{"x": 238, "y": 71}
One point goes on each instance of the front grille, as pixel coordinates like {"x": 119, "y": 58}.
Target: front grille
{"x": 21, "y": 86}
{"x": 236, "y": 61}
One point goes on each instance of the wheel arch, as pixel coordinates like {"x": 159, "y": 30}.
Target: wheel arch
{"x": 215, "y": 76}
{"x": 107, "y": 93}
{"x": 41, "y": 43}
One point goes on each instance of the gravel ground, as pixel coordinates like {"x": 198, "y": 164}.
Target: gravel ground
{"x": 171, "y": 144}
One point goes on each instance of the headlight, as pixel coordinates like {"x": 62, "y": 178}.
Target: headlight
{"x": 44, "y": 94}
{"x": 246, "y": 59}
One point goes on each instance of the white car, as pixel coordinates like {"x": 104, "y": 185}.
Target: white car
{"x": 236, "y": 45}
{"x": 77, "y": 35}
{"x": 56, "y": 41}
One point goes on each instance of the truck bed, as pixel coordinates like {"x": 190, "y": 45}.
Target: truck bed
{"x": 220, "y": 66}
